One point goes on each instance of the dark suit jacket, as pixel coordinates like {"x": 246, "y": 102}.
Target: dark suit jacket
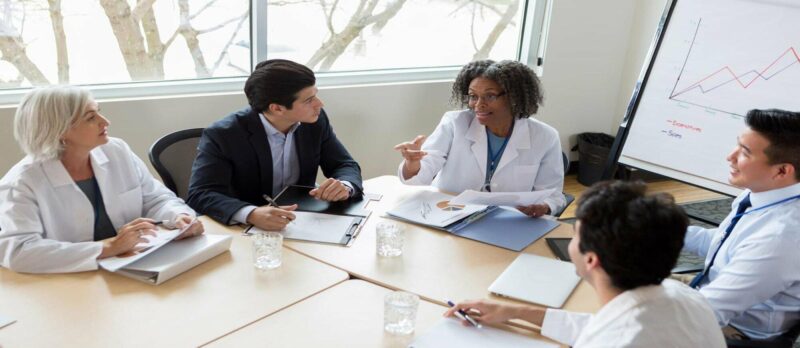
{"x": 233, "y": 167}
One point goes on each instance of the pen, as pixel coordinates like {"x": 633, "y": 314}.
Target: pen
{"x": 160, "y": 222}
{"x": 464, "y": 316}
{"x": 272, "y": 203}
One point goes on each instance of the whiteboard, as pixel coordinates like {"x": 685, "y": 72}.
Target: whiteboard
{"x": 712, "y": 61}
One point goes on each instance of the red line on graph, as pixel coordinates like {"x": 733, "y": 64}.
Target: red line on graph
{"x": 736, "y": 78}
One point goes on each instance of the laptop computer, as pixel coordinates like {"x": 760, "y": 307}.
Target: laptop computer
{"x": 537, "y": 279}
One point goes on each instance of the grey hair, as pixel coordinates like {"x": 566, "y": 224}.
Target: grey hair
{"x": 43, "y": 117}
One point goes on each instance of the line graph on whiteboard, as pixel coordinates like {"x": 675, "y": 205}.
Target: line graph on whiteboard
{"x": 723, "y": 87}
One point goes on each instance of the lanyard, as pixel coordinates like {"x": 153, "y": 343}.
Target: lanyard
{"x": 494, "y": 158}
{"x": 766, "y": 206}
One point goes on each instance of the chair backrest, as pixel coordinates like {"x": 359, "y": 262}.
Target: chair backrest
{"x": 172, "y": 157}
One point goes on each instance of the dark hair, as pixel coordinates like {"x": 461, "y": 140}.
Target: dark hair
{"x": 782, "y": 129}
{"x": 522, "y": 87}
{"x": 637, "y": 238}
{"x": 276, "y": 81}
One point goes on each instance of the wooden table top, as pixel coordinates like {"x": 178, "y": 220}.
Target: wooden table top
{"x": 435, "y": 265}
{"x": 102, "y": 309}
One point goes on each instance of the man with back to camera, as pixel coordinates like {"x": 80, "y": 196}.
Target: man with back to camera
{"x": 279, "y": 140}
{"x": 625, "y": 245}
{"x": 752, "y": 268}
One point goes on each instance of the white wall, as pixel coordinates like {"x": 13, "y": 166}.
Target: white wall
{"x": 591, "y": 55}
{"x": 645, "y": 22}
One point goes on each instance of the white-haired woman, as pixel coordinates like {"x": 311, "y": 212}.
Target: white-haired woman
{"x": 78, "y": 195}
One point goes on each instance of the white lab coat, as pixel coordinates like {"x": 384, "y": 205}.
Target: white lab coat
{"x": 457, "y": 151}
{"x": 666, "y": 315}
{"x": 47, "y": 222}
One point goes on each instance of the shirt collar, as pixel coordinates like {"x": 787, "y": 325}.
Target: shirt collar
{"x": 270, "y": 129}
{"x": 623, "y": 302}
{"x": 761, "y": 199}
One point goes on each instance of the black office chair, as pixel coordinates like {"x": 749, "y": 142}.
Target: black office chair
{"x": 786, "y": 340}
{"x": 172, "y": 157}
{"x": 570, "y": 198}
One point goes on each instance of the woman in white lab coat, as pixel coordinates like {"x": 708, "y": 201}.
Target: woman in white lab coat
{"x": 77, "y": 188}
{"x": 494, "y": 145}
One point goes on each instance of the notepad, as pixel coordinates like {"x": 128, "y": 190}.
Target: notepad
{"x": 322, "y": 228}
{"x": 537, "y": 279}
{"x": 450, "y": 333}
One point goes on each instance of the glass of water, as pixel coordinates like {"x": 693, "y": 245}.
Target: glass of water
{"x": 389, "y": 239}
{"x": 400, "y": 312}
{"x": 267, "y": 248}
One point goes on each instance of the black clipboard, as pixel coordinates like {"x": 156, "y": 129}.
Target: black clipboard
{"x": 296, "y": 194}
{"x": 560, "y": 247}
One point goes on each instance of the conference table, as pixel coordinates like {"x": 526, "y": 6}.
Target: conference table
{"x": 308, "y": 301}
{"x": 435, "y": 265}
{"x": 349, "y": 314}
{"x": 103, "y": 309}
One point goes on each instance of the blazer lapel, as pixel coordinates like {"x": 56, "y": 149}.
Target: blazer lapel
{"x": 308, "y": 168}
{"x": 477, "y": 135}
{"x": 520, "y": 140}
{"x": 258, "y": 140}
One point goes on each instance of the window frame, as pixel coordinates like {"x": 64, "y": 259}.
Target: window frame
{"x": 531, "y": 49}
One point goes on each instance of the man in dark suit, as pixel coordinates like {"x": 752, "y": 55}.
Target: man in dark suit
{"x": 280, "y": 140}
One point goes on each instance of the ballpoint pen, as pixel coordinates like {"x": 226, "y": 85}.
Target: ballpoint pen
{"x": 464, "y": 316}
{"x": 272, "y": 203}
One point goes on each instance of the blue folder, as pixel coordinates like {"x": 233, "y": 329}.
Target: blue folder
{"x": 505, "y": 228}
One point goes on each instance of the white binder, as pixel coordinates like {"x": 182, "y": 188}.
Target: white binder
{"x": 176, "y": 257}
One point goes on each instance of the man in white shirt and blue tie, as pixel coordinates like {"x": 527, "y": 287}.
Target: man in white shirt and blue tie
{"x": 752, "y": 267}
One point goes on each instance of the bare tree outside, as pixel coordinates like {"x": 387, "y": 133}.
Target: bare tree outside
{"x": 135, "y": 27}
{"x": 79, "y": 41}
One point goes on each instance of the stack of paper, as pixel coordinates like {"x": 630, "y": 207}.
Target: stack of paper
{"x": 433, "y": 209}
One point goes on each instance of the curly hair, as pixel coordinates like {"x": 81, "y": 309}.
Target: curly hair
{"x": 522, "y": 86}
{"x": 637, "y": 238}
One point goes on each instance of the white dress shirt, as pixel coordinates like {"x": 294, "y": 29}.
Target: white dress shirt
{"x": 754, "y": 284}
{"x": 285, "y": 164}
{"x": 48, "y": 222}
{"x": 457, "y": 155}
{"x": 666, "y": 315}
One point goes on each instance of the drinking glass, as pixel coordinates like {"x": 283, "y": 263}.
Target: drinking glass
{"x": 267, "y": 248}
{"x": 400, "y": 312}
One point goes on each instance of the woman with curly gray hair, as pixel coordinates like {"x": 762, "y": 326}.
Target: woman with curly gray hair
{"x": 494, "y": 145}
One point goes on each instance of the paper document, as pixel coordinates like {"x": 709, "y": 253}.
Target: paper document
{"x": 511, "y": 199}
{"x": 433, "y": 209}
{"x": 450, "y": 333}
{"x": 325, "y": 228}
{"x": 5, "y": 321}
{"x": 143, "y": 249}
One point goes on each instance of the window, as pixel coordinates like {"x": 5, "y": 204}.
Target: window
{"x": 113, "y": 41}
{"x": 92, "y": 42}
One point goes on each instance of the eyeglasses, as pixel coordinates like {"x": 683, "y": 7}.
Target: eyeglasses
{"x": 488, "y": 98}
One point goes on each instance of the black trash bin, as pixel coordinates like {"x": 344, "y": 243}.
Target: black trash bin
{"x": 593, "y": 150}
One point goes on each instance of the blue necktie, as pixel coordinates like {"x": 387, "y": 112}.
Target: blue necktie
{"x": 743, "y": 205}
